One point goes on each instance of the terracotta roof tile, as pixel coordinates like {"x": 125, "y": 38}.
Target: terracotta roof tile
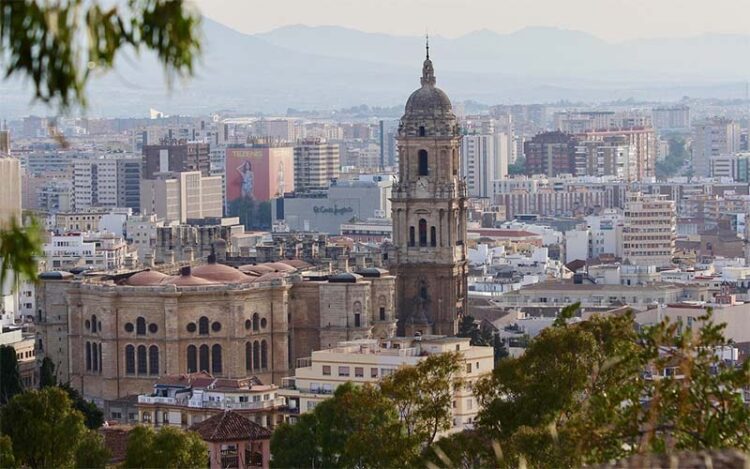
{"x": 230, "y": 426}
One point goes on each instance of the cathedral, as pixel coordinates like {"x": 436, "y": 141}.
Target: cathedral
{"x": 429, "y": 214}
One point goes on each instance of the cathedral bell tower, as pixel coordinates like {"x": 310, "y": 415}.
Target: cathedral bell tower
{"x": 429, "y": 214}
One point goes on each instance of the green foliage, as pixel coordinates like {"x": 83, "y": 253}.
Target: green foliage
{"x": 46, "y": 430}
{"x": 583, "y": 394}
{"x": 19, "y": 247}
{"x": 169, "y": 447}
{"x": 91, "y": 452}
{"x": 677, "y": 157}
{"x": 93, "y": 416}
{"x": 518, "y": 167}
{"x": 423, "y": 395}
{"x": 47, "y": 376}
{"x": 59, "y": 45}
{"x": 357, "y": 427}
{"x": 10, "y": 378}
{"x": 252, "y": 214}
{"x": 6, "y": 452}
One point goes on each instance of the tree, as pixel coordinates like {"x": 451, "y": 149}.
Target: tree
{"x": 46, "y": 431}
{"x": 169, "y": 447}
{"x": 10, "y": 377}
{"x": 47, "y": 376}
{"x": 6, "y": 452}
{"x": 91, "y": 451}
{"x": 597, "y": 391}
{"x": 423, "y": 395}
{"x": 357, "y": 427}
{"x": 93, "y": 416}
{"x": 518, "y": 167}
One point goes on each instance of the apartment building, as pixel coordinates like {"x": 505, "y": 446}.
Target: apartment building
{"x": 316, "y": 164}
{"x": 649, "y": 229}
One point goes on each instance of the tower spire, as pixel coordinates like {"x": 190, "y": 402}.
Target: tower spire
{"x": 428, "y": 74}
{"x": 427, "y": 44}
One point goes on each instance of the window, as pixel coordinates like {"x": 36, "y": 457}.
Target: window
{"x": 256, "y": 355}
{"x": 382, "y": 313}
{"x": 343, "y": 371}
{"x": 191, "y": 327}
{"x": 264, "y": 354}
{"x": 140, "y": 326}
{"x": 421, "y": 131}
{"x": 216, "y": 359}
{"x": 153, "y": 360}
{"x": 359, "y": 372}
{"x": 422, "y": 232}
{"x": 130, "y": 360}
{"x": 142, "y": 361}
{"x": 153, "y": 328}
{"x": 88, "y": 356}
{"x": 373, "y": 372}
{"x": 468, "y": 367}
{"x": 116, "y": 415}
{"x": 95, "y": 356}
{"x": 203, "y": 326}
{"x": 411, "y": 236}
{"x": 93, "y": 324}
{"x": 216, "y": 326}
{"x": 129, "y": 327}
{"x": 203, "y": 358}
{"x": 248, "y": 356}
{"x": 256, "y": 322}
{"x": 248, "y": 324}
{"x": 433, "y": 236}
{"x": 423, "y": 166}
{"x": 263, "y": 323}
{"x": 192, "y": 359}
{"x": 357, "y": 320}
{"x": 326, "y": 370}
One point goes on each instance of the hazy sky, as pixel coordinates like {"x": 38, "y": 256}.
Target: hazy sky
{"x": 613, "y": 20}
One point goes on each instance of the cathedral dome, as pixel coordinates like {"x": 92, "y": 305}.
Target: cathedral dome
{"x": 428, "y": 110}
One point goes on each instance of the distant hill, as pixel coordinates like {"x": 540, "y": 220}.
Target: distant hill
{"x": 332, "y": 67}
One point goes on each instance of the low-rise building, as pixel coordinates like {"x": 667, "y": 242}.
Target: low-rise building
{"x": 186, "y": 399}
{"x": 367, "y": 361}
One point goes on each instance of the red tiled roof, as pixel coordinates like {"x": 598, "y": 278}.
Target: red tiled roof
{"x": 116, "y": 441}
{"x": 230, "y": 426}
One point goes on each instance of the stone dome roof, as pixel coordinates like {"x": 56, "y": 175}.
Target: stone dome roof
{"x": 281, "y": 267}
{"x": 220, "y": 273}
{"x": 186, "y": 279}
{"x": 145, "y": 278}
{"x": 256, "y": 269}
{"x": 428, "y": 101}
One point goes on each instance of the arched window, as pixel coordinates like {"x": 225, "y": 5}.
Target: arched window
{"x": 422, "y": 232}
{"x": 455, "y": 162}
{"x": 263, "y": 355}
{"x": 94, "y": 356}
{"x": 203, "y": 325}
{"x": 142, "y": 360}
{"x": 93, "y": 323}
{"x": 192, "y": 359}
{"x": 411, "y": 236}
{"x": 433, "y": 236}
{"x": 140, "y": 326}
{"x": 256, "y": 322}
{"x": 203, "y": 358}
{"x": 88, "y": 356}
{"x": 130, "y": 360}
{"x": 153, "y": 360}
{"x": 256, "y": 355}
{"x": 423, "y": 166}
{"x": 216, "y": 359}
{"x": 248, "y": 356}
{"x": 421, "y": 131}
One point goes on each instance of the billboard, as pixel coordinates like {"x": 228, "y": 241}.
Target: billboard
{"x": 262, "y": 173}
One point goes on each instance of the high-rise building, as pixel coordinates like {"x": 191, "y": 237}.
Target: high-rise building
{"x": 484, "y": 159}
{"x": 259, "y": 171}
{"x": 176, "y": 156}
{"x": 550, "y": 154}
{"x": 110, "y": 181}
{"x": 671, "y": 117}
{"x": 316, "y": 164}
{"x": 4, "y": 142}
{"x": 641, "y": 139}
{"x": 429, "y": 214}
{"x": 608, "y": 157}
{"x": 649, "y": 229}
{"x": 182, "y": 196}
{"x": 713, "y": 137}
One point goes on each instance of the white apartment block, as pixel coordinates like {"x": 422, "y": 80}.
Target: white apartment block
{"x": 316, "y": 164}
{"x": 713, "y": 137}
{"x": 484, "y": 159}
{"x": 649, "y": 230}
{"x": 367, "y": 361}
{"x": 178, "y": 197}
{"x": 104, "y": 251}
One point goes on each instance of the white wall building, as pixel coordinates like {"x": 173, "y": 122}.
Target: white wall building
{"x": 484, "y": 160}
{"x": 104, "y": 251}
{"x": 180, "y": 196}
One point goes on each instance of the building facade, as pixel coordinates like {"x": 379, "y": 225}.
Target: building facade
{"x": 713, "y": 137}
{"x": 316, "y": 164}
{"x": 429, "y": 215}
{"x": 177, "y": 197}
{"x": 649, "y": 229}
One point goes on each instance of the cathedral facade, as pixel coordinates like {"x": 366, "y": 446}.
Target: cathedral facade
{"x": 429, "y": 215}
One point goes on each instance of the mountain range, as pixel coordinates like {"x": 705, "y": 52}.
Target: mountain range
{"x": 329, "y": 67}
